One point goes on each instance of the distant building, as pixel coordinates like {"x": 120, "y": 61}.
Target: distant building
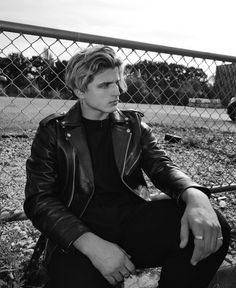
{"x": 225, "y": 83}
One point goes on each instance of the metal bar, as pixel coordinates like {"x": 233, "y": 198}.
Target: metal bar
{"x": 83, "y": 37}
{"x": 223, "y": 189}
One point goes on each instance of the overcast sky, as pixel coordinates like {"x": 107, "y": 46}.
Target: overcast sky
{"x": 204, "y": 25}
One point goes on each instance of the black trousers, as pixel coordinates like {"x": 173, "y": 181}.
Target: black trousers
{"x": 150, "y": 233}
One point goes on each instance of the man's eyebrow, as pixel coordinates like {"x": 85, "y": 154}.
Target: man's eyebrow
{"x": 108, "y": 82}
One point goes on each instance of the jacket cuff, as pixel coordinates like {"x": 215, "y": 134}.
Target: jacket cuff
{"x": 65, "y": 241}
{"x": 71, "y": 248}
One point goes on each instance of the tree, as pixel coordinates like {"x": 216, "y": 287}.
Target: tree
{"x": 16, "y": 68}
{"x": 35, "y": 77}
{"x": 136, "y": 92}
{"x": 164, "y": 80}
{"x": 43, "y": 72}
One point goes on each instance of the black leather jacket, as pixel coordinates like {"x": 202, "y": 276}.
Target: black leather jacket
{"x": 60, "y": 177}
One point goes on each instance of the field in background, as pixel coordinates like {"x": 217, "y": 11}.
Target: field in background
{"x": 20, "y": 114}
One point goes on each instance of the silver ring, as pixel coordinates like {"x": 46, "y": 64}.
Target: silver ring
{"x": 220, "y": 238}
{"x": 198, "y": 237}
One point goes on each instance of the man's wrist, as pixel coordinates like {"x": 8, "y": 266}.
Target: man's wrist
{"x": 192, "y": 194}
{"x": 83, "y": 242}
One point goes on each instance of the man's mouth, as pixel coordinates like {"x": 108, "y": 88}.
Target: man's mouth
{"x": 114, "y": 102}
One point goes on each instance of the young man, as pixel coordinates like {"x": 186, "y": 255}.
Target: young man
{"x": 86, "y": 192}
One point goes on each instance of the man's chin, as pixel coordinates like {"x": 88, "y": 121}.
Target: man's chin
{"x": 113, "y": 109}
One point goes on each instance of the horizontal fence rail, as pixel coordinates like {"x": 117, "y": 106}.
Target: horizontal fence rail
{"x": 184, "y": 94}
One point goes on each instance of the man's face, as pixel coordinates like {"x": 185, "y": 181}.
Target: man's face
{"x": 102, "y": 95}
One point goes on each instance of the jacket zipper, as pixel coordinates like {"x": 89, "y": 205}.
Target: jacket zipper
{"x": 126, "y": 152}
{"x": 73, "y": 184}
{"x": 68, "y": 204}
{"x": 134, "y": 163}
{"x": 85, "y": 207}
{"x": 122, "y": 173}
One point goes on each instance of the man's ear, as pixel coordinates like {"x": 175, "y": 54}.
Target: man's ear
{"x": 79, "y": 93}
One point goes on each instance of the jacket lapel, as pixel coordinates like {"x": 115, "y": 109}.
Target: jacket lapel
{"x": 77, "y": 138}
{"x": 79, "y": 142}
{"x": 120, "y": 138}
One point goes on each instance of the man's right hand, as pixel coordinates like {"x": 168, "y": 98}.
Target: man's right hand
{"x": 110, "y": 259}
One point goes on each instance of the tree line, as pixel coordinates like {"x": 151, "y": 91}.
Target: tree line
{"x": 163, "y": 83}
{"x": 148, "y": 81}
{"x": 38, "y": 76}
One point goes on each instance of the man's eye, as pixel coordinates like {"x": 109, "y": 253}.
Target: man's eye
{"x": 105, "y": 85}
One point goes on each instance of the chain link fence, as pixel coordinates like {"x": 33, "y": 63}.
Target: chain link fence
{"x": 183, "y": 94}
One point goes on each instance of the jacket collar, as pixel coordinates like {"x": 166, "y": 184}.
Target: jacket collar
{"x": 73, "y": 116}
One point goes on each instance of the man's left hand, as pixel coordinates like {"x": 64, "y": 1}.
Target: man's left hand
{"x": 201, "y": 219}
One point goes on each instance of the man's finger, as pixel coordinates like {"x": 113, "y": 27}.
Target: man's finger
{"x": 124, "y": 272}
{"x": 199, "y": 250}
{"x": 215, "y": 241}
{"x": 129, "y": 256}
{"x": 111, "y": 280}
{"x": 209, "y": 238}
{"x": 184, "y": 235}
{"x": 117, "y": 276}
{"x": 130, "y": 266}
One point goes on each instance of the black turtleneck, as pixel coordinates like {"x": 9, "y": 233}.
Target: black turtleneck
{"x": 110, "y": 193}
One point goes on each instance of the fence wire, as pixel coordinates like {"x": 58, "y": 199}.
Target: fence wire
{"x": 183, "y": 94}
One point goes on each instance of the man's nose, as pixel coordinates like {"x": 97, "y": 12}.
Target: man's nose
{"x": 116, "y": 88}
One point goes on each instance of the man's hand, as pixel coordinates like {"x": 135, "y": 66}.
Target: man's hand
{"x": 201, "y": 219}
{"x": 111, "y": 260}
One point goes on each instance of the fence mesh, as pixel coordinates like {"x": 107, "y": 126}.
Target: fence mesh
{"x": 183, "y": 95}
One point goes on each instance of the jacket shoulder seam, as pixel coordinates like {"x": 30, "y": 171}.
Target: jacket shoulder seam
{"x": 51, "y": 117}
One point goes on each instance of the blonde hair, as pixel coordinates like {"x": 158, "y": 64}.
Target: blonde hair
{"x": 84, "y": 65}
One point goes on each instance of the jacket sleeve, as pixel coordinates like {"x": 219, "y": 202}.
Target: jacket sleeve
{"x": 42, "y": 204}
{"x": 163, "y": 173}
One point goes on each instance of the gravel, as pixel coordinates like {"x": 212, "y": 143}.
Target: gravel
{"x": 209, "y": 157}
